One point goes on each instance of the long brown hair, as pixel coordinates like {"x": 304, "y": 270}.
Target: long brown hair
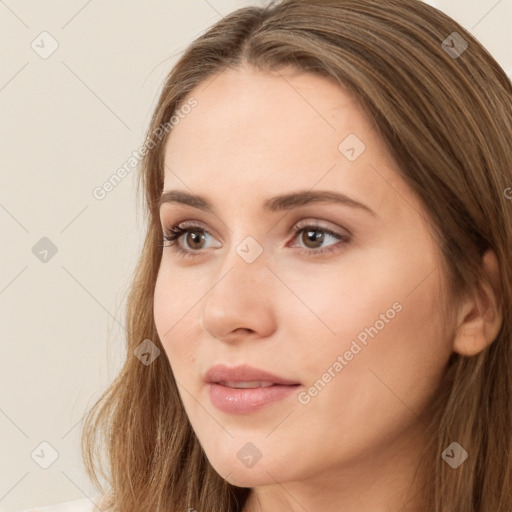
{"x": 444, "y": 110}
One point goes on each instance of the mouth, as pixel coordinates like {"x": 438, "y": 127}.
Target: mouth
{"x": 244, "y": 389}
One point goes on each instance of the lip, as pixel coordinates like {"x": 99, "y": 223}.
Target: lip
{"x": 244, "y": 373}
{"x": 246, "y": 400}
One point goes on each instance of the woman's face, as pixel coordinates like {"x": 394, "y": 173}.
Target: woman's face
{"x": 357, "y": 327}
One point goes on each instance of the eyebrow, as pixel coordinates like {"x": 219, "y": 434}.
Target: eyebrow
{"x": 282, "y": 202}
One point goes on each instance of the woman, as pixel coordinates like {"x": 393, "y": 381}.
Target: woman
{"x": 320, "y": 318}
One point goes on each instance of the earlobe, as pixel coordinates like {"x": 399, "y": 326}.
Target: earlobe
{"x": 481, "y": 316}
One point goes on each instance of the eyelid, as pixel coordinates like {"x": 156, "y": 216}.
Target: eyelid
{"x": 193, "y": 223}
{"x": 308, "y": 222}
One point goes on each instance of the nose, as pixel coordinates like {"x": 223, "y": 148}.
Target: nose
{"x": 240, "y": 303}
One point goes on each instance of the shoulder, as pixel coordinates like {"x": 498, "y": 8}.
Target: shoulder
{"x": 81, "y": 505}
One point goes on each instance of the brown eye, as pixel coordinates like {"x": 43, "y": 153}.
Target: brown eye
{"x": 312, "y": 237}
{"x": 194, "y": 239}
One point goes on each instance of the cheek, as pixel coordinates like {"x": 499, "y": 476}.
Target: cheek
{"x": 382, "y": 319}
{"x": 384, "y": 383}
{"x": 173, "y": 307}
{"x": 401, "y": 361}
{"x": 334, "y": 306}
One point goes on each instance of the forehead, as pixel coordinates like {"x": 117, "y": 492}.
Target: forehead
{"x": 267, "y": 112}
{"x": 255, "y": 134}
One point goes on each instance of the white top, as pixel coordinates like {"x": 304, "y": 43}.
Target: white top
{"x": 81, "y": 505}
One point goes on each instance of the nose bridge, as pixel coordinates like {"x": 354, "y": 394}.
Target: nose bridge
{"x": 239, "y": 297}
{"x": 246, "y": 255}
{"x": 242, "y": 273}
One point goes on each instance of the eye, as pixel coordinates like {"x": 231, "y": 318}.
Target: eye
{"x": 313, "y": 234}
{"x": 195, "y": 235}
{"x": 176, "y": 233}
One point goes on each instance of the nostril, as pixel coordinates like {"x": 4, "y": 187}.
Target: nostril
{"x": 244, "y": 330}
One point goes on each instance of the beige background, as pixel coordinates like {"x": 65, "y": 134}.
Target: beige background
{"x": 68, "y": 122}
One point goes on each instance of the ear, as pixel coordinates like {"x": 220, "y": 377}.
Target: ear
{"x": 481, "y": 316}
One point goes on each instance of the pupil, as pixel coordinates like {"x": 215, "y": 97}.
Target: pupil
{"x": 195, "y": 236}
{"x": 315, "y": 238}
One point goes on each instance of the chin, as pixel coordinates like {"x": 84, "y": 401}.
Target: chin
{"x": 242, "y": 477}
{"x": 231, "y": 467}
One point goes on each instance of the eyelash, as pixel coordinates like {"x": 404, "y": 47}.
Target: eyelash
{"x": 176, "y": 232}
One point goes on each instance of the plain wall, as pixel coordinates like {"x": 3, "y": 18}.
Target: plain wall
{"x": 68, "y": 122}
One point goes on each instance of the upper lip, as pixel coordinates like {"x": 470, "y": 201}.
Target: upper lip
{"x": 243, "y": 373}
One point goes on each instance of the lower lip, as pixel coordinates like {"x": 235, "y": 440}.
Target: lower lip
{"x": 243, "y": 401}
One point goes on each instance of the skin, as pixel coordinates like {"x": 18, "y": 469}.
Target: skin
{"x": 356, "y": 444}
